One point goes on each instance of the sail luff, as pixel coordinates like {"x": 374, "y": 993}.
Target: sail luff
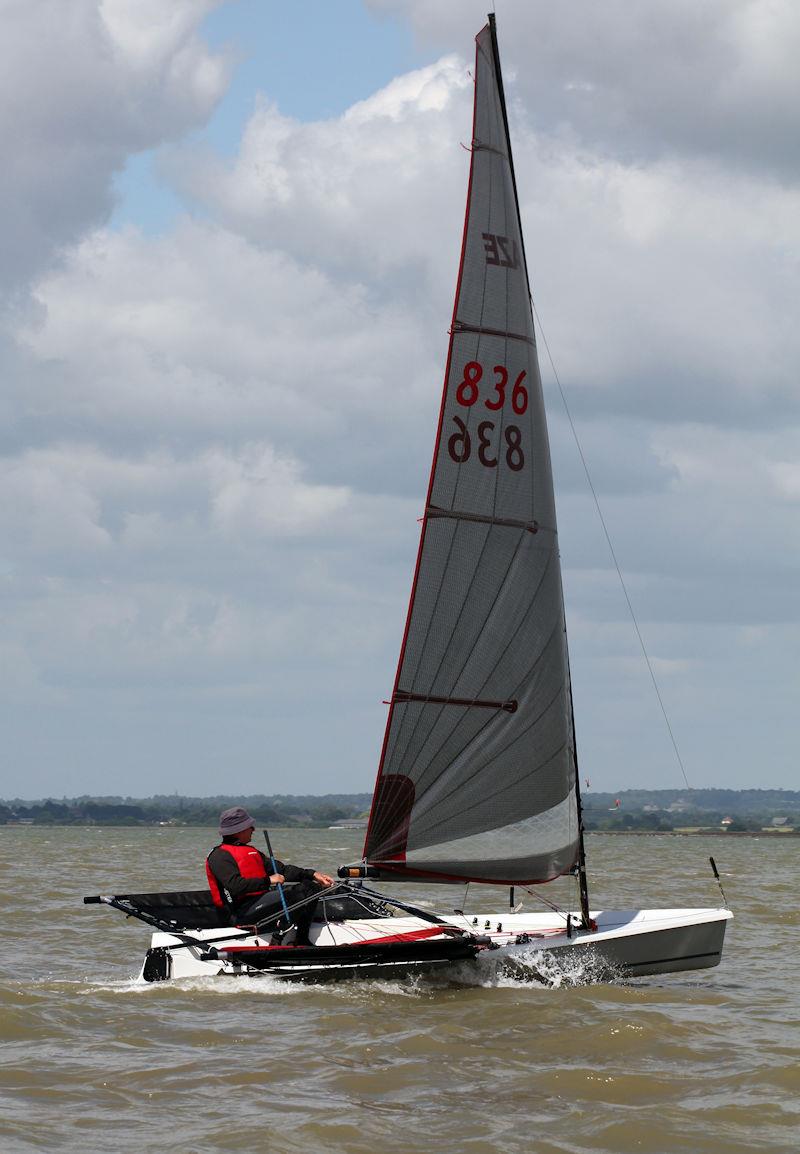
{"x": 392, "y": 812}
{"x": 455, "y": 328}
{"x": 426, "y": 512}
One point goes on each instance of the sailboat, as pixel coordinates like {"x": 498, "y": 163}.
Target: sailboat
{"x": 478, "y": 779}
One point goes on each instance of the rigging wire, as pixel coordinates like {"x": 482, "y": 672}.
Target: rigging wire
{"x": 551, "y": 905}
{"x": 610, "y": 546}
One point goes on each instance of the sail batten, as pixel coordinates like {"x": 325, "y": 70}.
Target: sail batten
{"x": 463, "y": 327}
{"x": 483, "y": 519}
{"x": 477, "y": 773}
{"x": 510, "y": 706}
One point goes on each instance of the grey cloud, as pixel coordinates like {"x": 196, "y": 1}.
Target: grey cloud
{"x": 662, "y": 286}
{"x": 84, "y": 85}
{"x": 218, "y": 439}
{"x": 205, "y": 337}
{"x": 374, "y": 196}
{"x": 643, "y": 81}
{"x": 664, "y": 290}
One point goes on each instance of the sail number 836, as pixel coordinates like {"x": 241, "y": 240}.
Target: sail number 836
{"x": 468, "y": 392}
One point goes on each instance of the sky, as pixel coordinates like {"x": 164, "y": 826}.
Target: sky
{"x": 230, "y": 234}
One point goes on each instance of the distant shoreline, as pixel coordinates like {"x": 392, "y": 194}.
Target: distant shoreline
{"x": 772, "y": 834}
{"x": 634, "y": 811}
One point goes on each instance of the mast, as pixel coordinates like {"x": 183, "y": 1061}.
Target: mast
{"x": 583, "y": 885}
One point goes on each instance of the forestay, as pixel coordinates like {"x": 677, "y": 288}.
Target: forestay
{"x": 477, "y": 775}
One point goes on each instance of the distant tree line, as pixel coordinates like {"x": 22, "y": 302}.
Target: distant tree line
{"x": 176, "y": 810}
{"x": 656, "y": 810}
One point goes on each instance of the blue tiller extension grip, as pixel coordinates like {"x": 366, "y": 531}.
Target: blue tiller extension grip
{"x": 275, "y": 870}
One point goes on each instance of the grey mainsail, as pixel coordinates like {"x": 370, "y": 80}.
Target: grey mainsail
{"x": 477, "y": 778}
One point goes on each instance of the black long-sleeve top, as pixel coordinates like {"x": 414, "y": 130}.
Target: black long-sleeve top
{"x": 226, "y": 871}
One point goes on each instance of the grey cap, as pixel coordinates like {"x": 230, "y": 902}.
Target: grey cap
{"x": 234, "y": 821}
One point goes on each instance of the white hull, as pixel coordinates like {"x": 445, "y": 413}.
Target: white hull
{"x": 625, "y": 944}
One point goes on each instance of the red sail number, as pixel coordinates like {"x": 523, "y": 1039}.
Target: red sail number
{"x": 459, "y": 444}
{"x": 501, "y": 380}
{"x": 519, "y": 395}
{"x": 468, "y": 393}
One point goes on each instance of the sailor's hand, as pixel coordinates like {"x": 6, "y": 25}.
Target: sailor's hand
{"x": 323, "y": 879}
{"x": 277, "y": 879}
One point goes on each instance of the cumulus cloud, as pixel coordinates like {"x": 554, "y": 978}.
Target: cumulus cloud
{"x": 81, "y": 89}
{"x": 368, "y": 196}
{"x": 647, "y": 81}
{"x": 204, "y": 335}
{"x": 75, "y": 499}
{"x": 662, "y": 288}
{"x": 216, "y": 440}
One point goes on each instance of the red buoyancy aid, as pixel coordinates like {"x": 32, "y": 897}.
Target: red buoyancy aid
{"x": 251, "y": 865}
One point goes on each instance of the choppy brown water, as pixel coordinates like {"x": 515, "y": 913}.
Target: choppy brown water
{"x": 706, "y": 1062}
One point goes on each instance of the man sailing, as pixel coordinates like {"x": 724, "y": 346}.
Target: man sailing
{"x": 242, "y": 881}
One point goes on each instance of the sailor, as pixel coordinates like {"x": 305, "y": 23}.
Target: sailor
{"x": 241, "y": 878}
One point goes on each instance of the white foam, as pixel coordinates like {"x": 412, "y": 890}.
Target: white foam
{"x": 213, "y": 985}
